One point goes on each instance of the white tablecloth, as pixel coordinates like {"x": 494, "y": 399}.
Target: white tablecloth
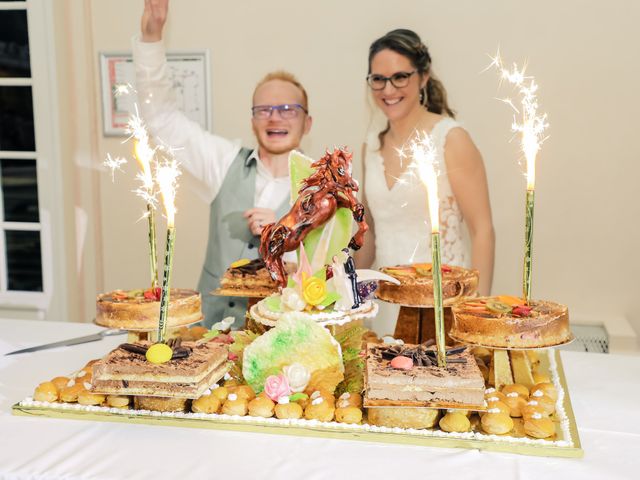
{"x": 604, "y": 389}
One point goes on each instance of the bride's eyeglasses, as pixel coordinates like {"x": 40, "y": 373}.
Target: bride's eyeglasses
{"x": 398, "y": 80}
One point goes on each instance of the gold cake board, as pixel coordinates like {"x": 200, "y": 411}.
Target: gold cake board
{"x": 342, "y": 432}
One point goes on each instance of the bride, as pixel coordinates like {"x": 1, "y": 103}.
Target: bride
{"x": 412, "y": 99}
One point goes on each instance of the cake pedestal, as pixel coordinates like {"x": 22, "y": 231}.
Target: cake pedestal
{"x": 416, "y": 324}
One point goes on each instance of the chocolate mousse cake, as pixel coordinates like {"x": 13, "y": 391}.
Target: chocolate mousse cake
{"x": 417, "y": 381}
{"x": 507, "y": 322}
{"x": 193, "y": 368}
{"x": 140, "y": 310}
{"x": 416, "y": 285}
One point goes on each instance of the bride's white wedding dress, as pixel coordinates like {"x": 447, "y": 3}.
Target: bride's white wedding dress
{"x": 401, "y": 216}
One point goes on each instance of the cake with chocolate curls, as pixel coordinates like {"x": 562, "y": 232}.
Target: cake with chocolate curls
{"x": 409, "y": 376}
{"x": 416, "y": 285}
{"x": 249, "y": 278}
{"x": 193, "y": 368}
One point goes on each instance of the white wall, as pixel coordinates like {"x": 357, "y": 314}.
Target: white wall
{"x": 584, "y": 55}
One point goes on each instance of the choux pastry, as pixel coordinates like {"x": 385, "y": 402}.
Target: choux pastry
{"x": 532, "y": 407}
{"x": 86, "y": 397}
{"x": 517, "y": 388}
{"x": 70, "y": 393}
{"x": 515, "y": 403}
{"x": 261, "y": 407}
{"x": 235, "y": 405}
{"x": 243, "y": 391}
{"x": 348, "y": 399}
{"x": 319, "y": 409}
{"x": 539, "y": 426}
{"x": 206, "y": 404}
{"x": 290, "y": 410}
{"x": 545, "y": 388}
{"x": 219, "y": 392}
{"x": 348, "y": 414}
{"x": 46, "y": 392}
{"x": 118, "y": 401}
{"x": 60, "y": 382}
{"x": 500, "y": 406}
{"x": 496, "y": 422}
{"x": 455, "y": 421}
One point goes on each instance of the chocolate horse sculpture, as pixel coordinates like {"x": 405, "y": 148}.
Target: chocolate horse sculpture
{"x": 330, "y": 187}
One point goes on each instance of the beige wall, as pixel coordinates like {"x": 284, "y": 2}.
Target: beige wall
{"x": 584, "y": 55}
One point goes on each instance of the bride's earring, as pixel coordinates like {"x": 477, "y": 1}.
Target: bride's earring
{"x": 424, "y": 98}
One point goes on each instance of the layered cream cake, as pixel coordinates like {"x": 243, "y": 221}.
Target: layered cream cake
{"x": 422, "y": 382}
{"x": 505, "y": 321}
{"x": 139, "y": 310}
{"x": 126, "y": 371}
{"x": 416, "y": 284}
{"x": 249, "y": 278}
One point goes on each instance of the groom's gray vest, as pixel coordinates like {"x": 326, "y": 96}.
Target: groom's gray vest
{"x": 230, "y": 238}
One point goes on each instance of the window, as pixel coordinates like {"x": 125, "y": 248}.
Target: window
{"x": 25, "y": 142}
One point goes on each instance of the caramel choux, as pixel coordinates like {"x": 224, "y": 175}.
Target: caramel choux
{"x": 261, "y": 407}
{"x": 319, "y": 409}
{"x": 539, "y": 426}
{"x": 348, "y": 414}
{"x": 455, "y": 421}
{"x": 517, "y": 388}
{"x": 46, "y": 392}
{"x": 221, "y": 393}
{"x": 546, "y": 388}
{"x": 243, "y": 391}
{"x": 290, "y": 410}
{"x": 206, "y": 404}
{"x": 496, "y": 422}
{"x": 118, "y": 401}
{"x": 60, "y": 382}
{"x": 235, "y": 406}
{"x": 348, "y": 399}
{"x": 70, "y": 393}
{"x": 515, "y": 403}
{"x": 532, "y": 407}
{"x": 87, "y": 397}
{"x": 501, "y": 406}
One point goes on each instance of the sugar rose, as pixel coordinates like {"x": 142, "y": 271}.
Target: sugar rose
{"x": 277, "y": 386}
{"x": 314, "y": 290}
{"x": 298, "y": 376}
{"x": 291, "y": 300}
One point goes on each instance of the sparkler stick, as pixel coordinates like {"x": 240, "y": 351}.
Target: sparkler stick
{"x": 531, "y": 129}
{"x": 424, "y": 153}
{"x": 166, "y": 177}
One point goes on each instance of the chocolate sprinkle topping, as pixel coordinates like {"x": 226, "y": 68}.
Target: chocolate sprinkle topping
{"x": 422, "y": 355}
{"x": 175, "y": 343}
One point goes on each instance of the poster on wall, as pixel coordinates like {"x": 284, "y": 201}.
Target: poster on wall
{"x": 189, "y": 75}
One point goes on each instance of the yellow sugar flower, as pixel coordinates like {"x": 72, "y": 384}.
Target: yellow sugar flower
{"x": 314, "y": 289}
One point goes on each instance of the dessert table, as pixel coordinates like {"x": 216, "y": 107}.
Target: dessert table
{"x": 604, "y": 392}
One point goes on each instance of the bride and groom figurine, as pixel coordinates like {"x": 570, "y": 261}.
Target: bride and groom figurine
{"x": 345, "y": 280}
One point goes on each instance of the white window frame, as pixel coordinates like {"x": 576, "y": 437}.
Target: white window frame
{"x": 45, "y": 304}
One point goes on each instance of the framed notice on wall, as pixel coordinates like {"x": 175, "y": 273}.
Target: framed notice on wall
{"x": 188, "y": 72}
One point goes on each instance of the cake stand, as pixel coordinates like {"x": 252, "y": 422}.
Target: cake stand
{"x": 252, "y": 299}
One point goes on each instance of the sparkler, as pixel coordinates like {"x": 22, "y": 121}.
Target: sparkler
{"x": 425, "y": 164}
{"x": 166, "y": 176}
{"x": 145, "y": 157}
{"x": 531, "y": 128}
{"x": 114, "y": 164}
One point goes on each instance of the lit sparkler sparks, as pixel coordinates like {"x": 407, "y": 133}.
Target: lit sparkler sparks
{"x": 533, "y": 123}
{"x": 167, "y": 178}
{"x": 121, "y": 89}
{"x": 426, "y": 167}
{"x": 114, "y": 163}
